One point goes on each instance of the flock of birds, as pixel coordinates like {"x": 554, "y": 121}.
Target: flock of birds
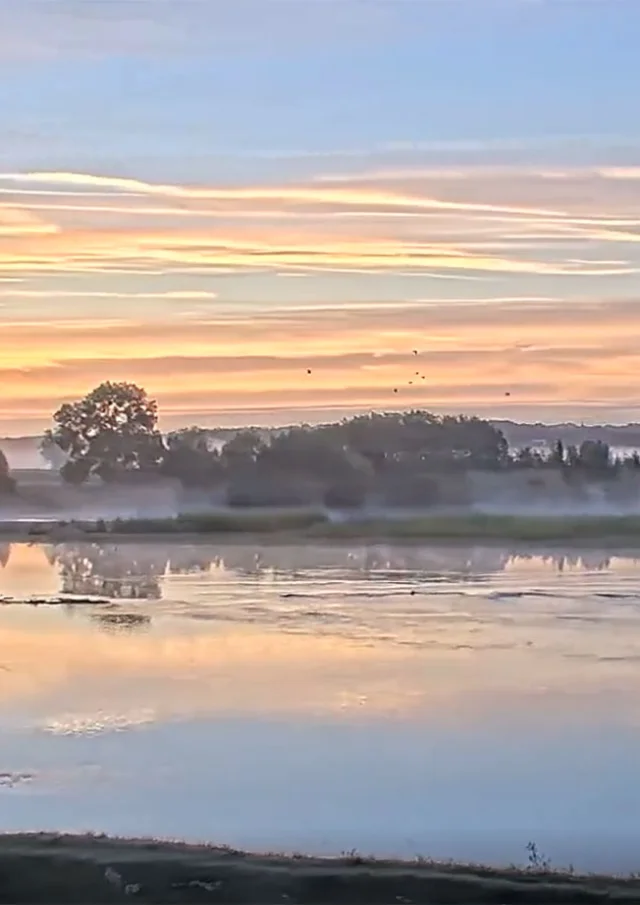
{"x": 417, "y": 374}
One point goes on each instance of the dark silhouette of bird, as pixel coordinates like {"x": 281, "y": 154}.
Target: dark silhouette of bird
{"x": 395, "y": 390}
{"x": 308, "y": 370}
{"x": 415, "y": 351}
{"x": 507, "y": 394}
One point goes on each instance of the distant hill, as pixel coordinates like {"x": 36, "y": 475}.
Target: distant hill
{"x": 23, "y": 452}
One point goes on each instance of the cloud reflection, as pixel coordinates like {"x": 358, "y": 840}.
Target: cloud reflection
{"x": 355, "y": 631}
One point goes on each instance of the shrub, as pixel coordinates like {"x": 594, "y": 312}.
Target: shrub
{"x": 7, "y": 483}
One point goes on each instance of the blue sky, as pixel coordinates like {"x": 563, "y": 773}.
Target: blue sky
{"x": 443, "y": 70}
{"x": 509, "y": 112}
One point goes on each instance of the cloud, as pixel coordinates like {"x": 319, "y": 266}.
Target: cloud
{"x": 309, "y": 194}
{"x": 86, "y": 29}
{"x": 478, "y": 221}
{"x": 177, "y": 295}
{"x": 245, "y": 342}
{"x": 15, "y": 221}
{"x": 543, "y": 352}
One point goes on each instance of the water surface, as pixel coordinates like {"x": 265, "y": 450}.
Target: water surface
{"x": 449, "y": 701}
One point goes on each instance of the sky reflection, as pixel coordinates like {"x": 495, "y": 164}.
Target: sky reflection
{"x": 217, "y": 680}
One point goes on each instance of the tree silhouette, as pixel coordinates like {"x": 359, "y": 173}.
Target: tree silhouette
{"x": 111, "y": 431}
{"x": 7, "y": 484}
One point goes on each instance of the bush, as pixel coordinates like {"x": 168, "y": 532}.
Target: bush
{"x": 7, "y": 483}
{"x": 345, "y": 495}
{"x": 268, "y": 489}
{"x": 411, "y": 491}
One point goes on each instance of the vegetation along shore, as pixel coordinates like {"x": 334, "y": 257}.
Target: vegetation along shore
{"x": 317, "y": 525}
{"x": 48, "y": 868}
{"x": 108, "y": 457}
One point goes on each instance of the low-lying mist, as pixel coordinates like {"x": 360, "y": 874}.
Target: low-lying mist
{"x": 42, "y": 495}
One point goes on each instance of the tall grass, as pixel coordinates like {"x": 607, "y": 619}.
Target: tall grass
{"x": 317, "y": 524}
{"x": 487, "y": 527}
{"x": 221, "y": 523}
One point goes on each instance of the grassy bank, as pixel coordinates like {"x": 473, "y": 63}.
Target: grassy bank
{"x": 477, "y": 526}
{"x": 301, "y": 524}
{"x": 71, "y": 869}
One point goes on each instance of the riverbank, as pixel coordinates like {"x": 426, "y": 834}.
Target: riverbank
{"x": 318, "y": 525}
{"x": 45, "y": 868}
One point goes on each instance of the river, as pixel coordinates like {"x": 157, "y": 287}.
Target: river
{"x": 453, "y": 702}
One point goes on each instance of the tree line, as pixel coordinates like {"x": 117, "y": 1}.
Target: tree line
{"x": 112, "y": 434}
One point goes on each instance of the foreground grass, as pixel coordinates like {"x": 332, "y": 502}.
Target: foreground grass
{"x": 478, "y": 526}
{"x": 45, "y": 868}
{"x": 317, "y": 524}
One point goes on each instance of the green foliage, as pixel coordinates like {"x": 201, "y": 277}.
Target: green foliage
{"x": 557, "y": 456}
{"x": 51, "y": 452}
{"x": 243, "y": 449}
{"x": 420, "y": 438}
{"x": 407, "y": 490}
{"x": 479, "y": 527}
{"x": 7, "y": 483}
{"x": 346, "y": 494}
{"x": 260, "y": 487}
{"x": 190, "y": 457}
{"x": 4, "y": 466}
{"x": 113, "y": 429}
{"x": 309, "y": 522}
{"x": 595, "y": 455}
{"x": 592, "y": 459}
{"x": 221, "y": 523}
{"x": 398, "y": 459}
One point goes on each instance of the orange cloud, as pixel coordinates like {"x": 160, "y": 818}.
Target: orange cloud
{"x": 501, "y": 222}
{"x": 538, "y": 351}
{"x": 87, "y": 243}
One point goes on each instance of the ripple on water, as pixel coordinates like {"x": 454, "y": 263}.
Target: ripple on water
{"x": 456, "y": 701}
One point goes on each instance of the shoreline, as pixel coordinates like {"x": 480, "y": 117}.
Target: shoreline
{"x": 314, "y": 526}
{"x": 58, "y": 868}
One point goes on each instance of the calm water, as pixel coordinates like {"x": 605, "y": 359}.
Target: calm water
{"x": 450, "y": 701}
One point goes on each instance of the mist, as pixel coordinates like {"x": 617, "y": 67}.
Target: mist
{"x": 378, "y": 466}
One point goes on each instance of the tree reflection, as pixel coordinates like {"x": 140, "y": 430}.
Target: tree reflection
{"x": 5, "y": 553}
{"x": 135, "y": 571}
{"x": 127, "y": 572}
{"x": 122, "y": 622}
{"x": 191, "y": 560}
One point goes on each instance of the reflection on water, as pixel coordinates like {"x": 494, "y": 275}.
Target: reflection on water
{"x": 455, "y": 701}
{"x": 135, "y": 571}
{"x": 110, "y": 571}
{"x": 127, "y": 622}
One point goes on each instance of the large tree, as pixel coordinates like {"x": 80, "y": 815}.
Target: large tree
{"x": 112, "y": 430}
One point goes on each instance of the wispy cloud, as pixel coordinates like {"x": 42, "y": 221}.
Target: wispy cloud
{"x": 85, "y": 265}
{"x": 178, "y": 295}
{"x": 482, "y": 222}
{"x": 161, "y": 29}
{"x": 539, "y": 350}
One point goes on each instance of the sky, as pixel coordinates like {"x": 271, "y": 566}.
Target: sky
{"x": 212, "y": 198}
